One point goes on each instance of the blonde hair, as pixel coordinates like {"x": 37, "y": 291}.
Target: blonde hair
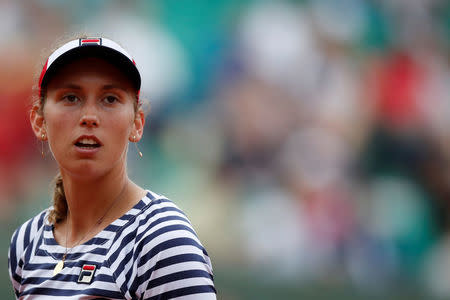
{"x": 59, "y": 211}
{"x": 60, "y": 208}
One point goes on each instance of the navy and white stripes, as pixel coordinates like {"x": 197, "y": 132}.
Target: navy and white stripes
{"x": 151, "y": 252}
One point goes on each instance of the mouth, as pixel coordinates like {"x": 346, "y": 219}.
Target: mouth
{"x": 88, "y": 142}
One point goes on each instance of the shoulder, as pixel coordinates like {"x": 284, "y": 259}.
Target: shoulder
{"x": 21, "y": 242}
{"x": 163, "y": 225}
{"x": 159, "y": 208}
{"x": 158, "y": 224}
{"x": 167, "y": 256}
{"x": 23, "y": 236}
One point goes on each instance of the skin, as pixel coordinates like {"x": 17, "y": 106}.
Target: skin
{"x": 90, "y": 97}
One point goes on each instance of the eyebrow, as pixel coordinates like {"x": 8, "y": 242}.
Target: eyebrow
{"x": 70, "y": 86}
{"x": 113, "y": 87}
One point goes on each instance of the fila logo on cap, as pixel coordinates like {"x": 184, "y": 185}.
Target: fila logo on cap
{"x": 91, "y": 41}
{"x": 87, "y": 273}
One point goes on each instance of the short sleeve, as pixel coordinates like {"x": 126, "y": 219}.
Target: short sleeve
{"x": 22, "y": 242}
{"x": 159, "y": 256}
{"x": 178, "y": 267}
{"x": 170, "y": 261}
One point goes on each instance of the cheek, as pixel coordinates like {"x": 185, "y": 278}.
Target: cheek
{"x": 119, "y": 126}
{"x": 59, "y": 138}
{"x": 58, "y": 124}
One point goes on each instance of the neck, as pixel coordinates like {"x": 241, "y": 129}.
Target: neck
{"x": 90, "y": 201}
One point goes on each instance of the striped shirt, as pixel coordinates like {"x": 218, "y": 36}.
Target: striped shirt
{"x": 151, "y": 252}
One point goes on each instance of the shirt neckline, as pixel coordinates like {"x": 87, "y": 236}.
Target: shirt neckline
{"x": 105, "y": 234}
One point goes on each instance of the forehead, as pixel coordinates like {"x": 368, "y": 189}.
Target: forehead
{"x": 89, "y": 70}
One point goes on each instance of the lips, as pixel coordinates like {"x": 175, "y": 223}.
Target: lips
{"x": 88, "y": 142}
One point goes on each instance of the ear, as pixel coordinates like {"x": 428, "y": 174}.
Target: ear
{"x": 138, "y": 127}
{"x": 38, "y": 123}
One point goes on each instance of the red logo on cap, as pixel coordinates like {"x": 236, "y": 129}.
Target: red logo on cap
{"x": 90, "y": 41}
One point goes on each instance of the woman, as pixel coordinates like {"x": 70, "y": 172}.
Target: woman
{"x": 104, "y": 237}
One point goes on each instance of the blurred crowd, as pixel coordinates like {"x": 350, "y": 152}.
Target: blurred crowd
{"x": 307, "y": 140}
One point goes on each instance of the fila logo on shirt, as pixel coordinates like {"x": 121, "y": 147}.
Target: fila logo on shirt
{"x": 87, "y": 273}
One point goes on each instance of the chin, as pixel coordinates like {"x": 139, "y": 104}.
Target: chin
{"x": 85, "y": 170}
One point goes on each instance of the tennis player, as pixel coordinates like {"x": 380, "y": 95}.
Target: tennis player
{"x": 104, "y": 236}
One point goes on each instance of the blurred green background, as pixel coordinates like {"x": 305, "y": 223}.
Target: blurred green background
{"x": 307, "y": 141}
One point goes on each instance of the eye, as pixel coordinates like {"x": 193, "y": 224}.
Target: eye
{"x": 70, "y": 98}
{"x": 110, "y": 99}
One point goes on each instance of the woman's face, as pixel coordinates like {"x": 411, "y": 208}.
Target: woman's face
{"x": 89, "y": 117}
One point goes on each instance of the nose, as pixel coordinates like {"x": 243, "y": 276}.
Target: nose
{"x": 89, "y": 117}
{"x": 89, "y": 120}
